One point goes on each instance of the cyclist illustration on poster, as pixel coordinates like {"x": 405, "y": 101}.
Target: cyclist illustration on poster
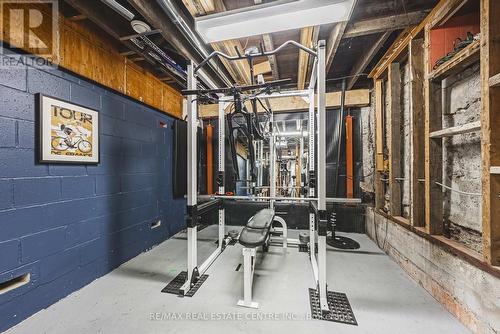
{"x": 68, "y": 132}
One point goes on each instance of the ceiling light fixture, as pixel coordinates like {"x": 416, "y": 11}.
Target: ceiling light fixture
{"x": 272, "y": 17}
{"x": 140, "y": 27}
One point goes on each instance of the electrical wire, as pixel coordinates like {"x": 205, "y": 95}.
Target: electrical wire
{"x": 458, "y": 191}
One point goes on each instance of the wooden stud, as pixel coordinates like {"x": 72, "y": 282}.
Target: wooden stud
{"x": 394, "y": 114}
{"x": 490, "y": 130}
{"x": 433, "y": 150}
{"x": 417, "y": 64}
{"x": 379, "y": 145}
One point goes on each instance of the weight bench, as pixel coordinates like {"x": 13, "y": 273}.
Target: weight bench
{"x": 255, "y": 234}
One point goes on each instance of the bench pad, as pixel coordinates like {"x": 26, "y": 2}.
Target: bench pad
{"x": 252, "y": 238}
{"x": 262, "y": 219}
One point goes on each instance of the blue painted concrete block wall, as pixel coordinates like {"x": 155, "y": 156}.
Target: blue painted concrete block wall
{"x": 68, "y": 225}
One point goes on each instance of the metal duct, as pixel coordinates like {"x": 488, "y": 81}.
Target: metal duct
{"x": 173, "y": 13}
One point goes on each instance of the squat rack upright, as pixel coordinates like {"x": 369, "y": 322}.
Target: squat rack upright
{"x": 317, "y": 178}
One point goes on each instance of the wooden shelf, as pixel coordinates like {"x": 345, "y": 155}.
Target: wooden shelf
{"x": 463, "y": 59}
{"x": 456, "y": 130}
{"x": 495, "y": 80}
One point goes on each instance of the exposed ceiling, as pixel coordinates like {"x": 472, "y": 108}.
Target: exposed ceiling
{"x": 352, "y": 47}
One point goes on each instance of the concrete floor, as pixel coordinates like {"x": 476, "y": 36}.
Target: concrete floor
{"x": 384, "y": 299}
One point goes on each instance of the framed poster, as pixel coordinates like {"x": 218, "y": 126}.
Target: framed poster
{"x": 67, "y": 133}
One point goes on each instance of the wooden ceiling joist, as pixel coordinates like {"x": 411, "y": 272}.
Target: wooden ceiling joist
{"x": 354, "y": 98}
{"x": 361, "y": 65}
{"x": 239, "y": 70}
{"x": 382, "y": 24}
{"x": 308, "y": 37}
{"x": 267, "y": 40}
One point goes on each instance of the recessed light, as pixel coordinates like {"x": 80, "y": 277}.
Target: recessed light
{"x": 140, "y": 27}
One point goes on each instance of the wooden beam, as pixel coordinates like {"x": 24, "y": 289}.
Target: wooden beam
{"x": 382, "y": 24}
{"x": 433, "y": 150}
{"x": 262, "y": 68}
{"x": 394, "y": 114}
{"x": 379, "y": 145}
{"x": 239, "y": 70}
{"x": 404, "y": 39}
{"x": 354, "y": 98}
{"x": 333, "y": 43}
{"x": 199, "y": 7}
{"x": 417, "y": 64}
{"x": 494, "y": 81}
{"x": 267, "y": 39}
{"x": 490, "y": 130}
{"x": 307, "y": 39}
{"x": 366, "y": 60}
{"x": 456, "y": 130}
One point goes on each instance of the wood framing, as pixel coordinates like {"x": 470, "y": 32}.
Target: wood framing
{"x": 306, "y": 38}
{"x": 84, "y": 50}
{"x": 383, "y": 24}
{"x": 426, "y": 126}
{"x": 433, "y": 150}
{"x": 354, "y": 98}
{"x": 379, "y": 144}
{"x": 416, "y": 59}
{"x": 365, "y": 61}
{"x": 490, "y": 130}
{"x": 394, "y": 115}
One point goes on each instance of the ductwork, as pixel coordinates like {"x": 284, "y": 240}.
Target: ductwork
{"x": 194, "y": 40}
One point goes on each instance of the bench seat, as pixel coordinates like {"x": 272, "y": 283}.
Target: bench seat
{"x": 256, "y": 232}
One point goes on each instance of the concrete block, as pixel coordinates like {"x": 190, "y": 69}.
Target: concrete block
{"x": 17, "y": 104}
{"x": 112, "y": 107}
{"x": 12, "y": 74}
{"x": 6, "y": 194}
{"x": 69, "y": 212}
{"x": 7, "y": 132}
{"x": 108, "y": 165}
{"x": 111, "y": 145}
{"x": 41, "y": 244}
{"x": 131, "y": 148}
{"x": 20, "y": 163}
{"x": 59, "y": 264}
{"x": 93, "y": 250}
{"x": 138, "y": 114}
{"x": 10, "y": 255}
{"x": 16, "y": 223}
{"x": 31, "y": 268}
{"x": 149, "y": 150}
{"x": 36, "y": 191}
{"x": 112, "y": 126}
{"x": 135, "y": 182}
{"x": 26, "y": 134}
{"x": 48, "y": 84}
{"x": 77, "y": 187}
{"x": 82, "y": 232}
{"x": 107, "y": 184}
{"x": 67, "y": 170}
{"x": 85, "y": 97}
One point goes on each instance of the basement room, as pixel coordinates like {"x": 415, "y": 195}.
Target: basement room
{"x": 249, "y": 166}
